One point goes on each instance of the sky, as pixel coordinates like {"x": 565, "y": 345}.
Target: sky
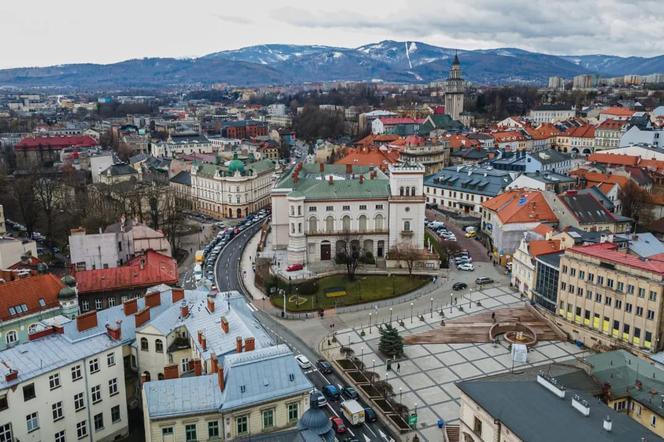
{"x": 50, "y": 32}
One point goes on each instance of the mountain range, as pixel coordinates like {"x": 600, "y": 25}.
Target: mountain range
{"x": 390, "y": 61}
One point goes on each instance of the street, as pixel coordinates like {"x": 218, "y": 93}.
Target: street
{"x": 227, "y": 278}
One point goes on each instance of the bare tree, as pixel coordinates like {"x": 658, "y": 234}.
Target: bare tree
{"x": 173, "y": 221}
{"x": 405, "y": 252}
{"x": 350, "y": 254}
{"x": 635, "y": 201}
{"x": 22, "y": 194}
{"x": 48, "y": 192}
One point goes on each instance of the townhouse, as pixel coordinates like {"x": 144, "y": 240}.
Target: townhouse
{"x": 608, "y": 133}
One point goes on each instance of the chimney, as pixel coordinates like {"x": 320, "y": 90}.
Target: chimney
{"x": 249, "y": 344}
{"x": 86, "y": 321}
{"x": 177, "y": 294}
{"x": 114, "y": 333}
{"x": 331, "y": 180}
{"x": 210, "y": 304}
{"x": 171, "y": 371}
{"x": 201, "y": 340}
{"x": 214, "y": 363}
{"x": 238, "y": 344}
{"x": 12, "y": 375}
{"x": 361, "y": 179}
{"x": 152, "y": 299}
{"x": 141, "y": 263}
{"x": 220, "y": 378}
{"x": 607, "y": 424}
{"x": 349, "y": 169}
{"x": 224, "y": 324}
{"x": 184, "y": 310}
{"x": 130, "y": 306}
{"x": 142, "y": 316}
{"x": 198, "y": 367}
{"x": 321, "y": 167}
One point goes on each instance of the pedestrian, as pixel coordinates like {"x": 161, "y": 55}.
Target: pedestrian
{"x": 493, "y": 316}
{"x": 398, "y": 367}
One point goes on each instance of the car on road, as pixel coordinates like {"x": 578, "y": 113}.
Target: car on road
{"x": 459, "y": 286}
{"x": 316, "y": 397}
{"x": 331, "y": 391}
{"x": 338, "y": 424}
{"x": 349, "y": 392}
{"x": 483, "y": 280}
{"x": 294, "y": 267}
{"x": 324, "y": 366}
{"x": 370, "y": 415}
{"x": 302, "y": 361}
{"x": 466, "y": 267}
{"x": 471, "y": 234}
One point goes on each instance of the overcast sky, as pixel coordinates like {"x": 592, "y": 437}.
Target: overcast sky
{"x": 47, "y": 32}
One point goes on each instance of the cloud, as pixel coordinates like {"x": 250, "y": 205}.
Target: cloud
{"x": 234, "y": 19}
{"x": 561, "y": 26}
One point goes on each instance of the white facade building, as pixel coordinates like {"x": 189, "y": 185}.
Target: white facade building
{"x": 651, "y": 137}
{"x": 176, "y": 146}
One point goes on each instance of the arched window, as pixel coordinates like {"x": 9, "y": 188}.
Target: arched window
{"x": 412, "y": 191}
{"x": 346, "y": 223}
{"x": 329, "y": 224}
{"x": 144, "y": 344}
{"x": 363, "y": 223}
{"x": 299, "y": 227}
{"x": 11, "y": 337}
{"x": 313, "y": 224}
{"x": 32, "y": 329}
{"x": 401, "y": 191}
{"x": 159, "y": 346}
{"x": 379, "y": 222}
{"x": 406, "y": 226}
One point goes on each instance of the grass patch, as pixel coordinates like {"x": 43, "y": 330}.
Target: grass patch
{"x": 369, "y": 288}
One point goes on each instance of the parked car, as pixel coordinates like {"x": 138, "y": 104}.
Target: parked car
{"x": 316, "y": 397}
{"x": 303, "y": 362}
{"x": 459, "y": 286}
{"x": 338, "y": 424}
{"x": 331, "y": 391}
{"x": 467, "y": 267}
{"x": 350, "y": 393}
{"x": 483, "y": 280}
{"x": 294, "y": 267}
{"x": 370, "y": 415}
{"x": 324, "y": 366}
{"x": 471, "y": 234}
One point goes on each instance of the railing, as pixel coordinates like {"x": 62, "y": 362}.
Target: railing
{"x": 348, "y": 232}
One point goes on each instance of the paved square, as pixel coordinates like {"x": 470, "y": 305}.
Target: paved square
{"x": 429, "y": 371}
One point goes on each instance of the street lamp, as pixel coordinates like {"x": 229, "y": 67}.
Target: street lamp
{"x": 369, "y": 322}
{"x": 362, "y": 355}
{"x": 390, "y": 315}
{"x": 400, "y": 395}
{"x": 431, "y": 308}
{"x": 411, "y": 312}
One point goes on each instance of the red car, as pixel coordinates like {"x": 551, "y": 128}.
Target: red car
{"x": 338, "y": 424}
{"x": 294, "y": 267}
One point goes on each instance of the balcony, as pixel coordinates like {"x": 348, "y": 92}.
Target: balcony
{"x": 407, "y": 233}
{"x": 354, "y": 232}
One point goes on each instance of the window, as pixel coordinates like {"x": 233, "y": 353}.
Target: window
{"x": 113, "y": 387}
{"x": 598, "y": 297}
{"x": 96, "y": 394}
{"x": 29, "y": 392}
{"x": 630, "y": 289}
{"x": 293, "y": 412}
{"x": 607, "y": 301}
{"x": 144, "y": 344}
{"x": 642, "y": 292}
{"x": 76, "y": 373}
{"x": 213, "y": 429}
{"x": 59, "y": 436}
{"x": 582, "y": 275}
{"x": 628, "y": 307}
{"x": 57, "y": 411}
{"x": 268, "y": 419}
{"x": 81, "y": 429}
{"x": 79, "y": 402}
{"x": 572, "y": 272}
{"x": 99, "y": 421}
{"x": 313, "y": 224}
{"x": 571, "y": 288}
{"x": 379, "y": 207}
{"x": 54, "y": 381}
{"x": 477, "y": 426}
{"x": 94, "y": 365}
{"x": 99, "y": 304}
{"x": 637, "y": 332}
{"x": 652, "y": 296}
{"x": 363, "y": 207}
{"x": 653, "y": 421}
{"x": 362, "y": 221}
{"x": 591, "y": 277}
{"x": 346, "y": 208}
{"x": 346, "y": 223}
{"x": 111, "y": 302}
{"x": 650, "y": 315}
{"x": 312, "y": 208}
{"x": 378, "y": 222}
{"x": 616, "y": 325}
{"x": 406, "y": 226}
{"x": 4, "y": 404}
{"x": 589, "y": 294}
{"x": 626, "y": 328}
{"x": 618, "y": 304}
{"x": 159, "y": 346}
{"x": 241, "y": 424}
{"x": 609, "y": 283}
{"x": 600, "y": 280}
{"x": 168, "y": 431}
{"x": 563, "y": 286}
{"x": 115, "y": 414}
{"x": 110, "y": 359}
{"x": 11, "y": 337}
{"x": 6, "y": 433}
{"x": 620, "y": 287}
{"x": 639, "y": 311}
{"x": 329, "y": 208}
{"x": 190, "y": 432}
{"x": 32, "y": 421}
{"x": 564, "y": 269}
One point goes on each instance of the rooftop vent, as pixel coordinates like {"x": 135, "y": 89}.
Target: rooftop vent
{"x": 551, "y": 384}
{"x": 581, "y": 405}
{"x": 607, "y": 424}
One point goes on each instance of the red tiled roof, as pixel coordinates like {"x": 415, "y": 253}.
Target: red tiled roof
{"x": 29, "y": 291}
{"x": 611, "y": 124}
{"x": 369, "y": 157}
{"x": 543, "y": 247}
{"x": 609, "y": 252}
{"x": 586, "y": 131}
{"x": 157, "y": 269}
{"x": 617, "y": 111}
{"x": 397, "y": 120}
{"x": 459, "y": 141}
{"x": 56, "y": 143}
{"x": 521, "y": 206}
{"x": 512, "y": 135}
{"x": 543, "y": 131}
{"x": 377, "y": 139}
{"x": 607, "y": 158}
{"x": 543, "y": 229}
{"x": 596, "y": 178}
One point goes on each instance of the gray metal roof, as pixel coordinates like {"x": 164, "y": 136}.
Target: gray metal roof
{"x": 549, "y": 156}
{"x": 471, "y": 179}
{"x": 533, "y": 413}
{"x": 550, "y": 177}
{"x": 182, "y": 396}
{"x": 643, "y": 244}
{"x": 183, "y": 177}
{"x": 586, "y": 209}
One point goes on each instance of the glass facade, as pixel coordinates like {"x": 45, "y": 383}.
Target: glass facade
{"x": 546, "y": 286}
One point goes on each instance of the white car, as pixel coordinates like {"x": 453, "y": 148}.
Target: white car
{"x": 303, "y": 362}
{"x": 466, "y": 267}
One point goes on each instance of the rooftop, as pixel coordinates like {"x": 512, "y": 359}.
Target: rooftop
{"x": 472, "y": 179}
{"x": 549, "y": 156}
{"x": 56, "y": 142}
{"x": 586, "y": 208}
{"x": 26, "y": 296}
{"x": 521, "y": 206}
{"x": 609, "y": 253}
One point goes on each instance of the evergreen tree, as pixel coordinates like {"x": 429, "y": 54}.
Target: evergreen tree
{"x": 391, "y": 344}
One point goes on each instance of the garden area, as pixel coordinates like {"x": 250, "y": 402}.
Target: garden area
{"x": 339, "y": 291}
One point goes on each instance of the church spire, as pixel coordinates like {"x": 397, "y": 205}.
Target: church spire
{"x": 456, "y": 58}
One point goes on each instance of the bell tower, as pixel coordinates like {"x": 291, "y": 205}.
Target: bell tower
{"x": 454, "y": 90}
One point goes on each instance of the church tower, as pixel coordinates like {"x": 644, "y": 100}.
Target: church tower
{"x": 454, "y": 89}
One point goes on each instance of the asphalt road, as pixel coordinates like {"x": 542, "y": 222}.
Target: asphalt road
{"x": 227, "y": 277}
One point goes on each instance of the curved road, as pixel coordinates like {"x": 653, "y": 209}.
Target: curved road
{"x": 227, "y": 274}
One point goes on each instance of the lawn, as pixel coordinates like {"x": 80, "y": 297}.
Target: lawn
{"x": 365, "y": 288}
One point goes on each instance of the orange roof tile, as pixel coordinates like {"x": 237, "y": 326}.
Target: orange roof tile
{"x": 607, "y": 158}
{"x": 605, "y": 188}
{"x": 458, "y": 141}
{"x": 611, "y": 124}
{"x": 543, "y": 229}
{"x": 586, "y": 131}
{"x": 521, "y": 206}
{"x": 617, "y": 111}
{"x": 28, "y": 291}
{"x": 608, "y": 252}
{"x": 369, "y": 157}
{"x": 543, "y": 247}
